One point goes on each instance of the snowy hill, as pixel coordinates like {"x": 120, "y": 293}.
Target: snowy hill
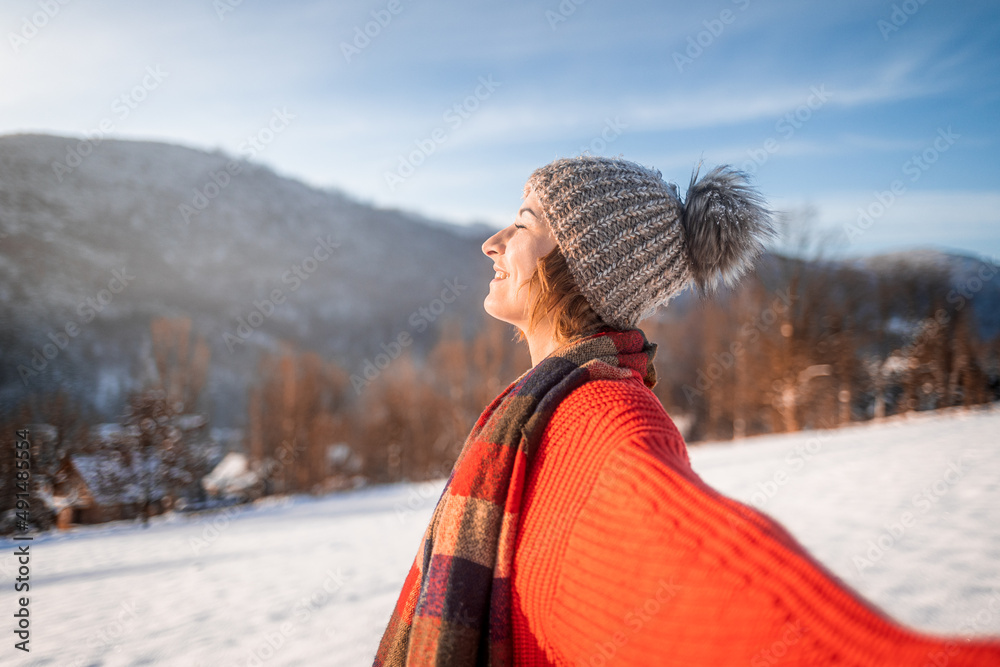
{"x": 93, "y": 247}
{"x": 168, "y": 230}
{"x": 306, "y": 581}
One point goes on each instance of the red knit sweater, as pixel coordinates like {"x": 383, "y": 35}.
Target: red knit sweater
{"x": 624, "y": 556}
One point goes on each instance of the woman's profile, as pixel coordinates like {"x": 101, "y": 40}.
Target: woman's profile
{"x": 572, "y": 530}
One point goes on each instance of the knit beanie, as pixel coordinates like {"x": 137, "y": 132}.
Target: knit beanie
{"x": 631, "y": 244}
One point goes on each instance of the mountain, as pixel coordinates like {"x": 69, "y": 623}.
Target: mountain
{"x": 973, "y": 282}
{"x": 98, "y": 238}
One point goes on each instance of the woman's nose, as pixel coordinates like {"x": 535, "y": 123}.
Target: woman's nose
{"x": 489, "y": 245}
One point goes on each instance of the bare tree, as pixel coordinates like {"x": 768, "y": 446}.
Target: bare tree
{"x": 181, "y": 360}
{"x": 150, "y": 456}
{"x": 297, "y": 411}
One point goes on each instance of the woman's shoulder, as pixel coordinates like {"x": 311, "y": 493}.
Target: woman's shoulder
{"x": 593, "y": 433}
{"x": 605, "y": 413}
{"x": 622, "y": 406}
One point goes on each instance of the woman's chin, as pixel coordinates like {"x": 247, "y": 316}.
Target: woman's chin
{"x": 498, "y": 314}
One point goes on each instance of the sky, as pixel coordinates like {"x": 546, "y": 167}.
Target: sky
{"x": 872, "y": 124}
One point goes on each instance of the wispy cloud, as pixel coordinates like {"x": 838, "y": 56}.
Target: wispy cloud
{"x": 560, "y": 85}
{"x": 950, "y": 219}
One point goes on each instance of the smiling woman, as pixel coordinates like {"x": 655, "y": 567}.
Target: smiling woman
{"x": 522, "y": 244}
{"x": 533, "y": 288}
{"x": 572, "y": 530}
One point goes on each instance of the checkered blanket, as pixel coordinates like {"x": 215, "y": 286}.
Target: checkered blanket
{"x": 454, "y": 608}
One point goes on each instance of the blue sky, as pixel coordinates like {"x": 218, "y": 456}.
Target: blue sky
{"x": 831, "y": 106}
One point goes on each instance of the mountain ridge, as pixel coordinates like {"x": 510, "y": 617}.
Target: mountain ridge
{"x": 350, "y": 277}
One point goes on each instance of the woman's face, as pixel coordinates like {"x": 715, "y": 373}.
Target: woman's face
{"x": 515, "y": 251}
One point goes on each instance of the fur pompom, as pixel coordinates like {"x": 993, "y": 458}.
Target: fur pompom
{"x": 726, "y": 224}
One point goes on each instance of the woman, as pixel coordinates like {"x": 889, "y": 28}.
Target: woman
{"x": 572, "y": 530}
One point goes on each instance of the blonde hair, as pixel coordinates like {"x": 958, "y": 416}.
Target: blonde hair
{"x": 556, "y": 294}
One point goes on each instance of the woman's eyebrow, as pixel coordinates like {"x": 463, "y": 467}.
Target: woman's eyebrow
{"x": 528, "y": 210}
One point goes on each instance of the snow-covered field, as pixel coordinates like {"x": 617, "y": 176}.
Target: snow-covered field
{"x": 907, "y": 511}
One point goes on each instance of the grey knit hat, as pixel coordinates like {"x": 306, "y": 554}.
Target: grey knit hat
{"x": 631, "y": 245}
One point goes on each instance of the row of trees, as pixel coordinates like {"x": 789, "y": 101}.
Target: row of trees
{"x": 803, "y": 344}
{"x": 408, "y": 423}
{"x": 156, "y": 457}
{"x": 760, "y": 362}
{"x": 819, "y": 347}
{"x": 810, "y": 343}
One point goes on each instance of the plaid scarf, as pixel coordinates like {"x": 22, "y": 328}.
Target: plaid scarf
{"x": 455, "y": 605}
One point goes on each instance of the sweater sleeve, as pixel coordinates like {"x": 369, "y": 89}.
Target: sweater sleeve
{"x": 659, "y": 568}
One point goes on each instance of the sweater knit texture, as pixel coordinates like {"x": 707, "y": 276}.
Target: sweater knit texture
{"x": 454, "y": 608}
{"x": 624, "y": 556}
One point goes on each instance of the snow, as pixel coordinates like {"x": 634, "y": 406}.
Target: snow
{"x": 190, "y": 422}
{"x": 306, "y": 581}
{"x": 340, "y": 455}
{"x": 94, "y": 467}
{"x": 230, "y": 476}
